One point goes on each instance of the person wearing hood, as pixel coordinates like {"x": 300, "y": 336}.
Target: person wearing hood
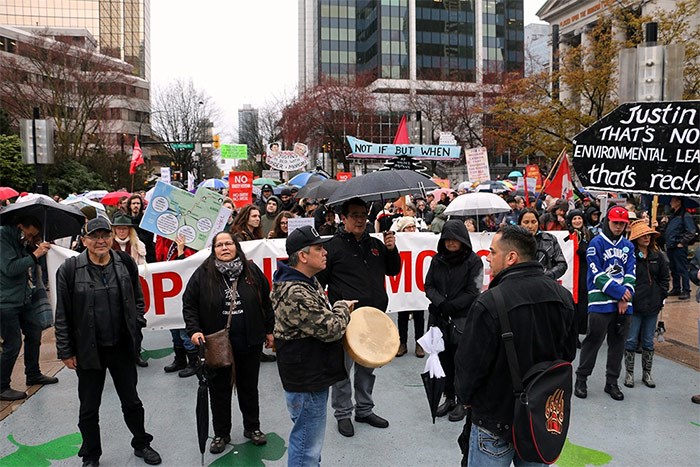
{"x": 549, "y": 253}
{"x": 287, "y": 200}
{"x": 308, "y": 333}
{"x": 453, "y": 282}
{"x": 439, "y": 219}
{"x": 265, "y": 193}
{"x": 592, "y": 218}
{"x": 611, "y": 287}
{"x": 578, "y": 230}
{"x": 272, "y": 209}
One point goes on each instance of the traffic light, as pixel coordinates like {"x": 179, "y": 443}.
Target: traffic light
{"x": 216, "y": 141}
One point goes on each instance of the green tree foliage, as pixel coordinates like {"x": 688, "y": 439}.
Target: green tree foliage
{"x": 71, "y": 176}
{"x": 13, "y": 172}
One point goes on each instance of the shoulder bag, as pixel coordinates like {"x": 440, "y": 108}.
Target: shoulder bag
{"x": 218, "y": 352}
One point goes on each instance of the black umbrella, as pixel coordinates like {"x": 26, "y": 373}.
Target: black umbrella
{"x": 382, "y": 184}
{"x": 202, "y": 408}
{"x": 321, "y": 189}
{"x": 434, "y": 387}
{"x": 58, "y": 220}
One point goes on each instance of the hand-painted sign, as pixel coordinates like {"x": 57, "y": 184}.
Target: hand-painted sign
{"x": 642, "y": 147}
{"x": 360, "y": 149}
{"x": 477, "y": 164}
{"x": 343, "y": 176}
{"x": 287, "y": 161}
{"x": 234, "y": 151}
{"x": 240, "y": 188}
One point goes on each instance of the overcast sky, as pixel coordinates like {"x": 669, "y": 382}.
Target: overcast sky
{"x": 236, "y": 51}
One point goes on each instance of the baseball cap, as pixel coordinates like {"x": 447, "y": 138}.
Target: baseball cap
{"x": 619, "y": 214}
{"x": 266, "y": 187}
{"x": 302, "y": 237}
{"x": 98, "y": 223}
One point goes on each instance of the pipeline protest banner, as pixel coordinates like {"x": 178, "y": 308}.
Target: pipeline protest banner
{"x": 360, "y": 149}
{"x": 642, "y": 147}
{"x": 164, "y": 283}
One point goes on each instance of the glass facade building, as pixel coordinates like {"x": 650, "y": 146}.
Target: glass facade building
{"x": 122, "y": 27}
{"x": 433, "y": 40}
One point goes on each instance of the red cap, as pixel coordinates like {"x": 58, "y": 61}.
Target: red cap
{"x": 619, "y": 214}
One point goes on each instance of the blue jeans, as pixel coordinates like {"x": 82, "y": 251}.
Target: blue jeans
{"x": 678, "y": 262}
{"x": 488, "y": 450}
{"x": 181, "y": 339}
{"x": 308, "y": 412}
{"x": 647, "y": 325}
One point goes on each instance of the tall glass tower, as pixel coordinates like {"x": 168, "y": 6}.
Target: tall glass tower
{"x": 122, "y": 27}
{"x": 474, "y": 41}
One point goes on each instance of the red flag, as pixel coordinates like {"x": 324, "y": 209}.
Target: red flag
{"x": 561, "y": 185}
{"x": 136, "y": 157}
{"x": 402, "y": 133}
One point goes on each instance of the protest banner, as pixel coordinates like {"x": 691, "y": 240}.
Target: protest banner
{"x": 165, "y": 175}
{"x": 164, "y": 283}
{"x": 287, "y": 161}
{"x": 234, "y": 151}
{"x": 343, "y": 176}
{"x": 642, "y": 147}
{"x": 360, "y": 149}
{"x": 174, "y": 212}
{"x": 240, "y": 188}
{"x": 477, "y": 164}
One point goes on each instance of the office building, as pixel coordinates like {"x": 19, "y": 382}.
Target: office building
{"x": 121, "y": 27}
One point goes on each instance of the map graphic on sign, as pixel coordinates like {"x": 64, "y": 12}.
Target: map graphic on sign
{"x": 197, "y": 217}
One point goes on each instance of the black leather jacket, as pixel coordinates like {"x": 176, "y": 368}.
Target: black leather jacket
{"x": 541, "y": 313}
{"x": 75, "y": 318}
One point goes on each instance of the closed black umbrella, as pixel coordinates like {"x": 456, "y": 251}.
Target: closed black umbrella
{"x": 434, "y": 387}
{"x": 321, "y": 189}
{"x": 58, "y": 220}
{"x": 381, "y": 185}
{"x": 202, "y": 407}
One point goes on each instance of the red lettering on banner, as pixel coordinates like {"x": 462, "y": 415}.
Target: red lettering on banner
{"x": 160, "y": 294}
{"x": 482, "y": 253}
{"x": 267, "y": 269}
{"x": 420, "y": 267}
{"x": 146, "y": 294}
{"x": 405, "y": 272}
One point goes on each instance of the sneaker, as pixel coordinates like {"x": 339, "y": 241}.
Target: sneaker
{"x": 373, "y": 420}
{"x": 402, "y": 350}
{"x": 614, "y": 391}
{"x": 41, "y": 379}
{"x": 149, "y": 455}
{"x": 10, "y": 394}
{"x": 218, "y": 444}
{"x": 256, "y": 436}
{"x": 685, "y": 295}
{"x": 420, "y": 353}
{"x": 345, "y": 427}
{"x": 580, "y": 389}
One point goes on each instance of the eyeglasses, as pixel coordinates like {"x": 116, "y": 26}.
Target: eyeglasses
{"x": 410, "y": 227}
{"x": 284, "y": 223}
{"x": 97, "y": 237}
{"x": 224, "y": 244}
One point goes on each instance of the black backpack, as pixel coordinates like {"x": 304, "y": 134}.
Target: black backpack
{"x": 542, "y": 400}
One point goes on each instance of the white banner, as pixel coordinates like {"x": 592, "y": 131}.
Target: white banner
{"x": 164, "y": 283}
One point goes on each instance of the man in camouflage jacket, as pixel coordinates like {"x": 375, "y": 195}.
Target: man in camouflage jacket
{"x": 308, "y": 333}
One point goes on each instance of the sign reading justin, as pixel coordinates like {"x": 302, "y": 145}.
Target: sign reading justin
{"x": 287, "y": 161}
{"x": 643, "y": 147}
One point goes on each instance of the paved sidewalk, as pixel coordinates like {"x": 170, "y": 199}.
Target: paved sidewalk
{"x": 650, "y": 427}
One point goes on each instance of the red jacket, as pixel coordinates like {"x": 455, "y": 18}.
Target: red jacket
{"x": 166, "y": 250}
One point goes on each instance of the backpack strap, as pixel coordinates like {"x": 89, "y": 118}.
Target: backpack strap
{"x": 129, "y": 263}
{"x": 507, "y": 336}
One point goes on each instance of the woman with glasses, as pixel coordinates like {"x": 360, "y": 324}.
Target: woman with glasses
{"x": 226, "y": 276}
{"x": 280, "y": 229}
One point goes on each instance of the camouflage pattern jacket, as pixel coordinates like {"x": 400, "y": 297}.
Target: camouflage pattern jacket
{"x": 307, "y": 332}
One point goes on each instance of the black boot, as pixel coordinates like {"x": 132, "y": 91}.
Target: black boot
{"x": 180, "y": 361}
{"x": 192, "y": 363}
{"x": 446, "y": 407}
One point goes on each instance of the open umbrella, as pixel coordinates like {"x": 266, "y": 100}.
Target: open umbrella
{"x": 112, "y": 199}
{"x": 6, "y": 193}
{"x": 95, "y": 194}
{"x": 58, "y": 220}
{"x": 476, "y": 204}
{"x": 320, "y": 189}
{"x": 278, "y": 189}
{"x": 81, "y": 202}
{"x": 304, "y": 178}
{"x": 265, "y": 181}
{"x": 382, "y": 184}
{"x": 434, "y": 376}
{"x": 214, "y": 183}
{"x": 202, "y": 407}
{"x": 515, "y": 174}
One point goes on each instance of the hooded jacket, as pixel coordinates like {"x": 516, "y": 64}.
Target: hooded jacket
{"x": 308, "y": 332}
{"x": 16, "y": 262}
{"x": 438, "y": 219}
{"x": 267, "y": 220}
{"x": 454, "y": 280}
{"x": 356, "y": 269}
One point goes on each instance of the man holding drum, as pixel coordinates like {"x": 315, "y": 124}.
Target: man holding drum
{"x": 308, "y": 333}
{"x": 356, "y": 266}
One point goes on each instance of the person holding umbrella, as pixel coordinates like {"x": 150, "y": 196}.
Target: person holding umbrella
{"x": 16, "y": 317}
{"x": 453, "y": 282}
{"x": 224, "y": 276}
{"x": 308, "y": 333}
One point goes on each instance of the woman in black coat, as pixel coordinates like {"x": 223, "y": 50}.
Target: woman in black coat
{"x": 453, "y": 282}
{"x": 577, "y": 228}
{"x": 549, "y": 253}
{"x": 206, "y": 303}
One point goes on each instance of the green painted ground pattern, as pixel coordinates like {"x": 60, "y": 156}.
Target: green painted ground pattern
{"x": 579, "y": 456}
{"x": 249, "y": 455}
{"x": 41, "y": 455}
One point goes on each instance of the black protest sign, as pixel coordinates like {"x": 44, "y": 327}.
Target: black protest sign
{"x": 643, "y": 147}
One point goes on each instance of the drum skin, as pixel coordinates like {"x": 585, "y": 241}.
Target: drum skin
{"x": 371, "y": 338}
